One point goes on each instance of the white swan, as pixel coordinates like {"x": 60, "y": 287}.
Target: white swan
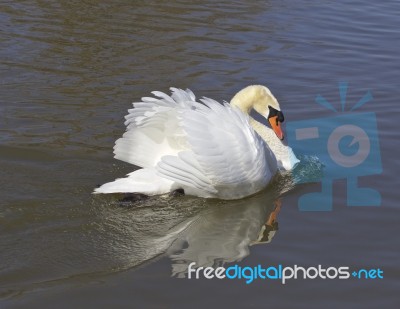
{"x": 207, "y": 149}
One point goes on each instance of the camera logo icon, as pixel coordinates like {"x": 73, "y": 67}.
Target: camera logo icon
{"x": 358, "y": 135}
{"x": 346, "y": 144}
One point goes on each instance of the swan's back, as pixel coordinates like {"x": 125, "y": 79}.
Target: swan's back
{"x": 207, "y": 148}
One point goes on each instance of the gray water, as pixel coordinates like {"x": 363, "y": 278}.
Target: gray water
{"x": 68, "y": 73}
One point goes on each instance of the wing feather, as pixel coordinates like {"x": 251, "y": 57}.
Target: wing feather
{"x": 204, "y": 146}
{"x": 225, "y": 149}
{"x": 153, "y": 129}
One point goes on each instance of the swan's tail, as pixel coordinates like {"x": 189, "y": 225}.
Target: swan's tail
{"x": 144, "y": 181}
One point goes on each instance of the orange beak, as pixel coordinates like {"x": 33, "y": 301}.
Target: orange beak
{"x": 276, "y": 126}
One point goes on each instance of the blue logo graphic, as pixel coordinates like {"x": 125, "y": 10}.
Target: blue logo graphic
{"x": 348, "y": 147}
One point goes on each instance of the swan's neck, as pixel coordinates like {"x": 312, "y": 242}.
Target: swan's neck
{"x": 255, "y": 97}
{"x": 247, "y": 98}
{"x": 258, "y": 98}
{"x": 266, "y": 133}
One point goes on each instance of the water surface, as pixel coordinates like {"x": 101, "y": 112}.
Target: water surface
{"x": 68, "y": 73}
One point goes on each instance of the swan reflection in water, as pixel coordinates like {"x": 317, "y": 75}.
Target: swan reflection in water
{"x": 190, "y": 229}
{"x": 223, "y": 234}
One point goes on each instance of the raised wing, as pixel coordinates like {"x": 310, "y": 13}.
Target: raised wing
{"x": 226, "y": 157}
{"x": 207, "y": 148}
{"x": 153, "y": 128}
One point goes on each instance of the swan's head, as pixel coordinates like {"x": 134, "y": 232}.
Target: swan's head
{"x": 261, "y": 99}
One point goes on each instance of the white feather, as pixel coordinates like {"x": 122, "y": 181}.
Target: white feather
{"x": 208, "y": 149}
{"x": 144, "y": 180}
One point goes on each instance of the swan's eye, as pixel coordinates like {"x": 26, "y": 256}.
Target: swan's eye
{"x": 274, "y": 112}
